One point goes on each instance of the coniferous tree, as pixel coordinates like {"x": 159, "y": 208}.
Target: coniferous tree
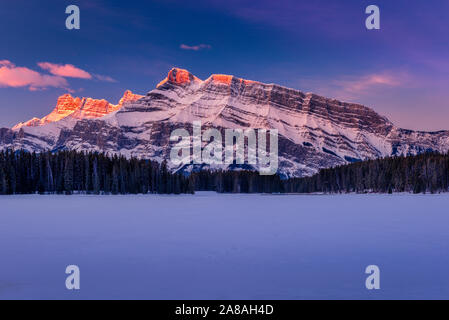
{"x": 71, "y": 171}
{"x": 95, "y": 177}
{"x": 68, "y": 175}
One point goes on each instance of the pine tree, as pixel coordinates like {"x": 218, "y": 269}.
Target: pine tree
{"x": 95, "y": 177}
{"x": 68, "y": 174}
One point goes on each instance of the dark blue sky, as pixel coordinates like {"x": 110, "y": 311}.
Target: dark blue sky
{"x": 400, "y": 70}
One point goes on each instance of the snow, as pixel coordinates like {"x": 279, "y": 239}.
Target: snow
{"x": 347, "y": 130}
{"x": 212, "y": 246}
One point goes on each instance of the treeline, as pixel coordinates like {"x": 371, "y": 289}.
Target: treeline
{"x": 70, "y": 172}
{"x": 424, "y": 173}
{"x": 242, "y": 181}
{"x": 428, "y": 172}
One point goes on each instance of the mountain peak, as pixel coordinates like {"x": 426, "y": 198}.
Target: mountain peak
{"x": 128, "y": 96}
{"x": 314, "y": 132}
{"x": 79, "y": 108}
{"x": 179, "y": 76}
{"x": 228, "y": 79}
{"x": 182, "y": 77}
{"x": 222, "y": 78}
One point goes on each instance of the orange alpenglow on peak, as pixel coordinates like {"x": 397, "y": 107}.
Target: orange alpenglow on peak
{"x": 227, "y": 79}
{"x": 128, "y": 96}
{"x": 179, "y": 76}
{"x": 65, "y": 106}
{"x": 222, "y": 78}
{"x": 79, "y": 108}
{"x": 92, "y": 108}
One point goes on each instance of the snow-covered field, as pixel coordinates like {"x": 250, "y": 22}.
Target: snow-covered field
{"x": 212, "y": 246}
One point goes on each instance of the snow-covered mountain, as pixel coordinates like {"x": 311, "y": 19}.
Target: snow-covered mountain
{"x": 79, "y": 108}
{"x": 314, "y": 132}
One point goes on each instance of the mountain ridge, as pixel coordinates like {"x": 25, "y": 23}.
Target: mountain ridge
{"x": 314, "y": 132}
{"x": 80, "y": 108}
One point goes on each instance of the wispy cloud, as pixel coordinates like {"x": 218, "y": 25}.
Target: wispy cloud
{"x": 365, "y": 83}
{"x": 6, "y": 63}
{"x": 65, "y": 70}
{"x": 104, "y": 78}
{"x": 13, "y": 76}
{"x": 195, "y": 47}
{"x": 354, "y": 87}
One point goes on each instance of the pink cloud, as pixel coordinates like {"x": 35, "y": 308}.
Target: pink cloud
{"x": 354, "y": 88}
{"x": 6, "y": 63}
{"x": 12, "y": 76}
{"x": 196, "y": 47}
{"x": 65, "y": 70}
{"x": 104, "y": 78}
{"x": 368, "y": 82}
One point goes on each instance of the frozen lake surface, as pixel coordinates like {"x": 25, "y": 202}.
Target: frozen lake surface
{"x": 214, "y": 246}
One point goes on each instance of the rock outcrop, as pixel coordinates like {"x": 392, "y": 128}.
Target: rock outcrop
{"x": 314, "y": 132}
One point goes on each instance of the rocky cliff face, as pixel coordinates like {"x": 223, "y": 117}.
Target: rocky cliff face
{"x": 314, "y": 132}
{"x": 79, "y": 108}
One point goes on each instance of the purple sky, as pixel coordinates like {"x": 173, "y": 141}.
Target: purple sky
{"x": 401, "y": 70}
